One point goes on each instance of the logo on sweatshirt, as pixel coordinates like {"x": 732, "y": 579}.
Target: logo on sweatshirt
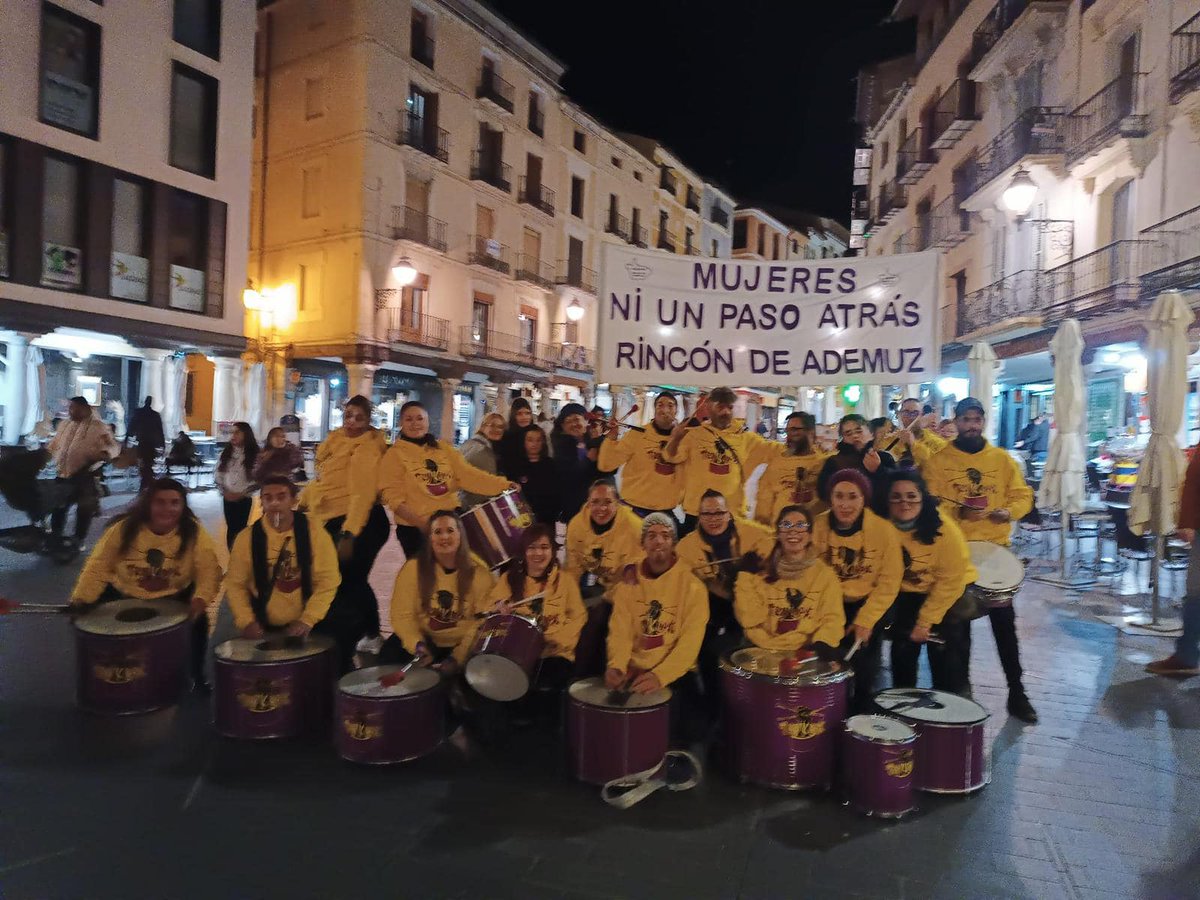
{"x": 445, "y": 612}
{"x": 654, "y": 628}
{"x": 972, "y": 489}
{"x": 155, "y": 576}
{"x": 264, "y": 695}
{"x": 915, "y": 570}
{"x": 801, "y": 723}
{"x": 719, "y": 456}
{"x": 661, "y": 466}
{"x": 848, "y": 562}
{"x": 789, "y": 614}
{"x": 796, "y": 487}
{"x": 433, "y": 479}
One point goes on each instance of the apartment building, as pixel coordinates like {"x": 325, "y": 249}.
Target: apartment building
{"x": 1048, "y": 148}
{"x": 124, "y": 186}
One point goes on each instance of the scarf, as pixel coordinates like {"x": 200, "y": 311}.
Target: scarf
{"x": 789, "y": 570}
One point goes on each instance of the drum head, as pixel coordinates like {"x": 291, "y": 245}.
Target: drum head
{"x": 366, "y": 682}
{"x": 497, "y": 677}
{"x": 593, "y": 692}
{"x": 932, "y": 707}
{"x": 998, "y": 567}
{"x": 132, "y": 617}
{"x": 880, "y": 729}
{"x": 272, "y": 649}
{"x": 758, "y": 661}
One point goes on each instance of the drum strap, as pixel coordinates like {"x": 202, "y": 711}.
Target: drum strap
{"x": 264, "y": 582}
{"x": 631, "y": 789}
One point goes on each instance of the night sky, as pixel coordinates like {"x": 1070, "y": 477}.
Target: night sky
{"x": 757, "y": 95}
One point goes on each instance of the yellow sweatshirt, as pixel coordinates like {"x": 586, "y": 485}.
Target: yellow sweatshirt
{"x": 867, "y": 563}
{"x": 657, "y": 624}
{"x": 647, "y": 480}
{"x": 696, "y": 554}
{"x": 791, "y": 613}
{"x": 989, "y": 479}
{"x": 287, "y": 600}
{"x": 941, "y": 570}
{"x": 150, "y": 569}
{"x": 347, "y": 477}
{"x": 724, "y": 468}
{"x": 922, "y": 449}
{"x": 426, "y": 479}
{"x": 603, "y": 555}
{"x": 560, "y": 613}
{"x": 446, "y": 619}
{"x": 789, "y": 480}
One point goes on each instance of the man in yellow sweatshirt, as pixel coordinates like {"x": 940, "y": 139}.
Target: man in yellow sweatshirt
{"x": 983, "y": 487}
{"x": 912, "y": 445}
{"x": 649, "y": 483}
{"x": 791, "y": 479}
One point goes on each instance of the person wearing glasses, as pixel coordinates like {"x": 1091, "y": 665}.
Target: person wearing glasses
{"x": 791, "y": 600}
{"x": 792, "y": 478}
{"x": 914, "y": 442}
{"x": 855, "y": 451}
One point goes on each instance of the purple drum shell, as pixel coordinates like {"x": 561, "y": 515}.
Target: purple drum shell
{"x": 388, "y": 725}
{"x": 121, "y": 674}
{"x": 260, "y": 694}
{"x": 505, "y": 656}
{"x": 950, "y": 756}
{"x": 878, "y": 773}
{"x": 494, "y": 528}
{"x": 781, "y": 733}
{"x": 607, "y": 742}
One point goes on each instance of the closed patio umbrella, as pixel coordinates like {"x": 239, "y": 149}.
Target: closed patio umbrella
{"x": 982, "y": 369}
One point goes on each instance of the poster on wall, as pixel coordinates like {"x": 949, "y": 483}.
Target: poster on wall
{"x": 129, "y": 277}
{"x": 705, "y": 322}
{"x": 62, "y": 266}
{"x": 187, "y": 289}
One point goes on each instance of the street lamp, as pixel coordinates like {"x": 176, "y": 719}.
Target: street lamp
{"x": 405, "y": 272}
{"x": 1019, "y": 195}
{"x": 574, "y": 310}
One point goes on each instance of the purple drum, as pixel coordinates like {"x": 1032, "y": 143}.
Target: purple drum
{"x": 949, "y": 751}
{"x": 378, "y": 720}
{"x": 131, "y": 656}
{"x": 877, "y": 765}
{"x": 494, "y": 528}
{"x": 273, "y": 688}
{"x": 505, "y": 657}
{"x": 610, "y": 736}
{"x": 782, "y": 730}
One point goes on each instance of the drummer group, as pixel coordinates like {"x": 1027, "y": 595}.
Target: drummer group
{"x": 845, "y": 549}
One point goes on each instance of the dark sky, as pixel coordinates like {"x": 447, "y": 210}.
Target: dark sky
{"x": 755, "y": 94}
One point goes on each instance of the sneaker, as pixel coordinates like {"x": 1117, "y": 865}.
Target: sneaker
{"x": 1019, "y": 707}
{"x": 1172, "y": 665}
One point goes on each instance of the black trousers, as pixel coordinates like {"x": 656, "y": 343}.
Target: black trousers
{"x": 411, "y": 540}
{"x": 692, "y": 717}
{"x": 355, "y": 587}
{"x": 237, "y": 514}
{"x": 147, "y": 456}
{"x": 722, "y": 635}
{"x": 864, "y": 662}
{"x": 948, "y": 662}
{"x": 1004, "y": 630}
{"x": 86, "y": 497}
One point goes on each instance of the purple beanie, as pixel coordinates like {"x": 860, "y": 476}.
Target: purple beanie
{"x": 855, "y": 477}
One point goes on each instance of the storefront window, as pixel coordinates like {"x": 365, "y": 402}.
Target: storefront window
{"x": 62, "y": 258}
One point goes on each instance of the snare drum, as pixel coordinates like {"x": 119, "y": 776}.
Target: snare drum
{"x": 505, "y": 657}
{"x": 377, "y": 723}
{"x": 607, "y": 740}
{"x": 273, "y": 688}
{"x": 1000, "y": 573}
{"x": 131, "y": 656}
{"x": 494, "y": 528}
{"x": 782, "y": 729}
{"x": 949, "y": 750}
{"x": 877, "y": 763}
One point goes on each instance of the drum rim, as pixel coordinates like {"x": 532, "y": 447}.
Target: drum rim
{"x": 385, "y": 697}
{"x": 530, "y": 619}
{"x": 727, "y": 665}
{"x": 326, "y": 641}
{"x": 930, "y": 722}
{"x": 891, "y": 742}
{"x": 621, "y": 709}
{"x": 110, "y": 609}
{"x": 994, "y": 550}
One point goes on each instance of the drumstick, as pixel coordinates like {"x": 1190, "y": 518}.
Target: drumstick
{"x": 521, "y": 602}
{"x": 396, "y": 677}
{"x": 8, "y": 607}
{"x": 852, "y": 651}
{"x": 716, "y": 562}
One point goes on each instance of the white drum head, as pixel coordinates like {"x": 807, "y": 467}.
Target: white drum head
{"x": 132, "y": 617}
{"x": 366, "y": 682}
{"x": 932, "y": 707}
{"x": 273, "y": 649}
{"x": 998, "y": 567}
{"x": 880, "y": 729}
{"x": 750, "y": 661}
{"x": 497, "y": 677}
{"x": 593, "y": 692}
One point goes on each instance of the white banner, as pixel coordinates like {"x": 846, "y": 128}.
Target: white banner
{"x": 187, "y": 289}
{"x": 130, "y": 277}
{"x": 705, "y": 322}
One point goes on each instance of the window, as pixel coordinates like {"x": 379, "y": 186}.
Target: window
{"x": 577, "y": 197}
{"x": 960, "y": 289}
{"x": 637, "y": 176}
{"x": 714, "y": 253}
{"x": 193, "y": 121}
{"x": 762, "y": 240}
{"x": 70, "y": 78}
{"x": 775, "y": 247}
{"x": 616, "y": 161}
{"x": 739, "y": 234}
{"x": 422, "y": 45}
{"x": 528, "y": 325}
{"x": 689, "y": 241}
{"x": 481, "y": 313}
{"x": 310, "y": 199}
{"x": 198, "y": 25}
{"x": 580, "y": 141}
{"x": 187, "y": 249}
{"x": 537, "y": 119}
{"x": 62, "y": 215}
{"x": 4, "y": 204}
{"x": 412, "y": 303}
{"x": 635, "y": 225}
{"x": 314, "y": 97}
{"x": 129, "y": 278}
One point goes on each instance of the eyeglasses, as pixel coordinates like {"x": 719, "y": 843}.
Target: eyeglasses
{"x": 714, "y": 515}
{"x": 794, "y": 526}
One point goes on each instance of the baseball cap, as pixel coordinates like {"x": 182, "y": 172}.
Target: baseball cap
{"x": 966, "y": 404}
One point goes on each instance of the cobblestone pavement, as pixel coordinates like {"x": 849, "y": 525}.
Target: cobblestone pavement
{"x": 1099, "y": 800}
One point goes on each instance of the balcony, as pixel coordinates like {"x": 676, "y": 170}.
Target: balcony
{"x": 666, "y": 180}
{"x": 954, "y": 114}
{"x": 1171, "y": 255}
{"x": 1185, "y": 58}
{"x": 1012, "y": 24}
{"x": 489, "y": 169}
{"x": 537, "y": 121}
{"x": 422, "y": 48}
{"x": 1037, "y": 132}
{"x": 577, "y": 276}
{"x": 914, "y": 158}
{"x": 666, "y": 240}
{"x": 1015, "y": 297}
{"x": 1103, "y": 281}
{"x": 509, "y": 348}
{"x": 424, "y": 135}
{"x": 617, "y": 224}
{"x": 573, "y": 357}
{"x": 406, "y": 326}
{"x": 948, "y": 225}
{"x": 893, "y": 197}
{"x": 692, "y": 200}
{"x": 536, "y": 195}
{"x": 909, "y": 242}
{"x": 410, "y": 224}
{"x": 1113, "y": 111}
{"x": 638, "y": 237}
{"x": 495, "y": 90}
{"x": 719, "y": 216}
{"x": 532, "y": 270}
{"x": 489, "y": 253}
{"x": 693, "y": 248}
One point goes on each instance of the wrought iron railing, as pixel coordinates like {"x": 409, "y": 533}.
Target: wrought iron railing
{"x": 536, "y": 195}
{"x": 487, "y": 168}
{"x": 1171, "y": 255}
{"x": 496, "y": 345}
{"x": 577, "y": 276}
{"x": 573, "y": 357}
{"x": 617, "y": 224}
{"x": 1036, "y": 132}
{"x": 692, "y": 200}
{"x": 637, "y": 236}
{"x": 1009, "y": 298}
{"x": 1185, "y": 58}
{"x": 1114, "y": 109}
{"x": 531, "y": 269}
{"x": 1105, "y": 280}
{"x": 914, "y": 158}
{"x": 407, "y": 326}
{"x": 495, "y": 89}
{"x": 893, "y": 197}
{"x": 948, "y": 225}
{"x": 424, "y": 135}
{"x": 954, "y": 113}
{"x": 1002, "y": 17}
{"x": 490, "y": 253}
{"x": 410, "y": 224}
{"x": 666, "y": 240}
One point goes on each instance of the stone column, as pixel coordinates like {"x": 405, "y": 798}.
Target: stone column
{"x": 449, "y": 387}
{"x": 360, "y": 378}
{"x": 225, "y": 380}
{"x": 15, "y": 387}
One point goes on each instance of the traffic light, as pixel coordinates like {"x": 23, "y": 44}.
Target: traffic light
{"x": 851, "y": 394}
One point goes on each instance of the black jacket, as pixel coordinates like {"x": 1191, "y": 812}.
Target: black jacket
{"x": 575, "y": 473}
{"x": 847, "y": 457}
{"x": 539, "y": 485}
{"x": 146, "y": 425}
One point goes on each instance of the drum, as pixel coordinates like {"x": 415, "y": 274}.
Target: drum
{"x": 378, "y": 722}
{"x": 877, "y": 765}
{"x": 949, "y": 751}
{"x": 494, "y": 528}
{"x": 1124, "y": 474}
{"x": 504, "y": 658}
{"x": 782, "y": 729}
{"x": 131, "y": 656}
{"x": 607, "y": 740}
{"x": 273, "y": 688}
{"x": 1000, "y": 573}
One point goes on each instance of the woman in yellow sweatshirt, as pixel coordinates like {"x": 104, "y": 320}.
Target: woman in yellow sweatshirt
{"x": 937, "y": 570}
{"x": 864, "y": 552}
{"x": 436, "y": 598}
{"x": 420, "y": 475}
